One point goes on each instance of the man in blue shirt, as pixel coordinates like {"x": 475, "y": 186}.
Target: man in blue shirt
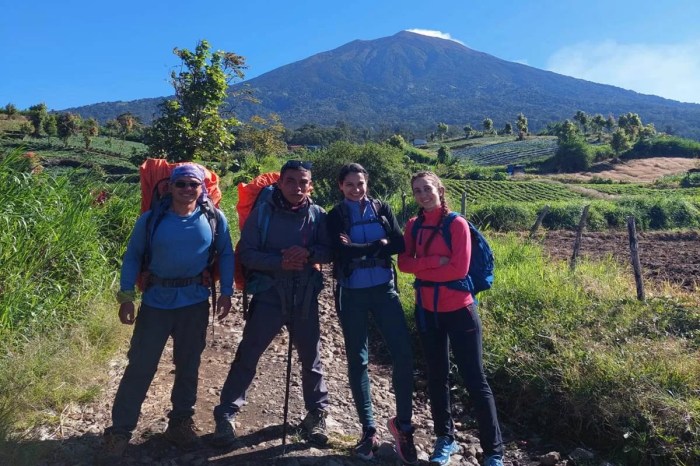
{"x": 172, "y": 250}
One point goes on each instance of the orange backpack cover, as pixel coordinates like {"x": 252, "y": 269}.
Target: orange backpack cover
{"x": 247, "y": 195}
{"x": 153, "y": 171}
{"x": 154, "y": 174}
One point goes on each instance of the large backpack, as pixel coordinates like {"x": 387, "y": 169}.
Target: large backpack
{"x": 481, "y": 265}
{"x": 250, "y": 195}
{"x": 156, "y": 198}
{"x": 257, "y": 192}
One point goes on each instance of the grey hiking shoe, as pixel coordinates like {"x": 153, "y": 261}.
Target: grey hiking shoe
{"x": 315, "y": 425}
{"x": 224, "y": 433}
{"x": 181, "y": 433}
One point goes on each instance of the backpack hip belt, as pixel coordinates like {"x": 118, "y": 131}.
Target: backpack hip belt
{"x": 174, "y": 282}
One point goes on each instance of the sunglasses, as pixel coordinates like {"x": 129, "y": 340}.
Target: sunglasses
{"x": 191, "y": 184}
{"x": 296, "y": 164}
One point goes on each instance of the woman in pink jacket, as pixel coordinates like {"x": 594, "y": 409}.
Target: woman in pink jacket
{"x": 447, "y": 317}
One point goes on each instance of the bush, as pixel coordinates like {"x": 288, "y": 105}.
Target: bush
{"x": 503, "y": 217}
{"x": 664, "y": 146}
{"x": 387, "y": 167}
{"x": 572, "y": 156}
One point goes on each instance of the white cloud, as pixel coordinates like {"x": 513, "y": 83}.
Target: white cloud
{"x": 438, "y": 34}
{"x": 667, "y": 70}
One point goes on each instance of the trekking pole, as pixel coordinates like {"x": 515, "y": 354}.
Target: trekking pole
{"x": 290, "y": 325}
{"x": 213, "y": 308}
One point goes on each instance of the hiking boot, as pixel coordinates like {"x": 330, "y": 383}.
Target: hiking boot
{"x": 181, "y": 433}
{"x": 445, "y": 446}
{"x": 403, "y": 442}
{"x": 368, "y": 444}
{"x": 224, "y": 433}
{"x": 315, "y": 425}
{"x": 494, "y": 460}
{"x": 113, "y": 448}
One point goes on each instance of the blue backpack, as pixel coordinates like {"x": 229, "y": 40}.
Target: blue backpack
{"x": 481, "y": 266}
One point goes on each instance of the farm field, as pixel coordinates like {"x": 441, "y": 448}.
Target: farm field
{"x": 482, "y": 191}
{"x": 665, "y": 256}
{"x": 504, "y": 153}
{"x": 641, "y": 190}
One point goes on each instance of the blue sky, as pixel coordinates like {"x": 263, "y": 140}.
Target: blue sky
{"x": 77, "y": 52}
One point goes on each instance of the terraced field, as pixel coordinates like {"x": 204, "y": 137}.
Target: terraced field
{"x": 504, "y": 153}
{"x": 642, "y": 190}
{"x": 479, "y": 192}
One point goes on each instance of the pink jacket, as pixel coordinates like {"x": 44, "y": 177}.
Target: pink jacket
{"x": 425, "y": 265}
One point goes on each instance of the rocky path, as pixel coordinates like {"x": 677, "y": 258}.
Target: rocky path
{"x": 259, "y": 425}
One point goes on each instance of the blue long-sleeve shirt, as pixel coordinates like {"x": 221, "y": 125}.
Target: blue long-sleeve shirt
{"x": 179, "y": 249}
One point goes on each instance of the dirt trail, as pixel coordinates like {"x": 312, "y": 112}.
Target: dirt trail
{"x": 260, "y": 422}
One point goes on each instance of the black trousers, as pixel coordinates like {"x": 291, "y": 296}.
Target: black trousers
{"x": 461, "y": 330}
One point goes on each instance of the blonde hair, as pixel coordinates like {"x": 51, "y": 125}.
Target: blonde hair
{"x": 435, "y": 180}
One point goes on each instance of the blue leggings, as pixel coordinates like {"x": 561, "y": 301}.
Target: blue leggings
{"x": 354, "y": 307}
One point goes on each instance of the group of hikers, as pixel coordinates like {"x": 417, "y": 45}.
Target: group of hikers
{"x": 282, "y": 255}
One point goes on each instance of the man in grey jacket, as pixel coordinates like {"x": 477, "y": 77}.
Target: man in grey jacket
{"x": 281, "y": 247}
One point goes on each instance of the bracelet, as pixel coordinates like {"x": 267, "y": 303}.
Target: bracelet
{"x": 126, "y": 296}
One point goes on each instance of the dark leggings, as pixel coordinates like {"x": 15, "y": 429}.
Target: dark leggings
{"x": 461, "y": 330}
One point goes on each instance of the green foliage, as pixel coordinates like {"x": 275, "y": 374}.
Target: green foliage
{"x": 315, "y": 135}
{"x": 386, "y": 166}
{"x": 443, "y": 155}
{"x": 191, "y": 125}
{"x": 52, "y": 246}
{"x": 572, "y": 155}
{"x": 67, "y": 125}
{"x": 262, "y": 137}
{"x": 665, "y": 146}
{"x": 37, "y": 115}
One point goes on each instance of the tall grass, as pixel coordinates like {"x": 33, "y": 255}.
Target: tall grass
{"x": 577, "y": 357}
{"x": 59, "y": 247}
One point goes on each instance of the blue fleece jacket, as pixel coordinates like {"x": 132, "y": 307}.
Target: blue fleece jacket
{"x": 179, "y": 249}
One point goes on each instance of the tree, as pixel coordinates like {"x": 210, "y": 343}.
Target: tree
{"x": 443, "y": 155}
{"x": 11, "y": 110}
{"x": 582, "y": 118}
{"x": 192, "y": 125}
{"x": 507, "y": 129}
{"x": 521, "y": 124}
{"x": 488, "y": 125}
{"x": 610, "y": 123}
{"x": 397, "y": 141}
{"x": 67, "y": 125}
{"x": 50, "y": 127}
{"x": 598, "y": 122}
{"x": 442, "y": 130}
{"x": 37, "y": 114}
{"x": 468, "y": 130}
{"x": 567, "y": 132}
{"x": 126, "y": 122}
{"x": 90, "y": 128}
{"x": 262, "y": 136}
{"x": 631, "y": 124}
{"x": 620, "y": 141}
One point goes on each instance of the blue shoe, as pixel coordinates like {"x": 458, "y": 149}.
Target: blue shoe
{"x": 494, "y": 460}
{"x": 445, "y": 447}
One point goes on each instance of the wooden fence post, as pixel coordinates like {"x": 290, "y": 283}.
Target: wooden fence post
{"x": 634, "y": 251}
{"x": 579, "y": 233}
{"x": 463, "y": 205}
{"x": 538, "y": 222}
{"x": 403, "y": 207}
